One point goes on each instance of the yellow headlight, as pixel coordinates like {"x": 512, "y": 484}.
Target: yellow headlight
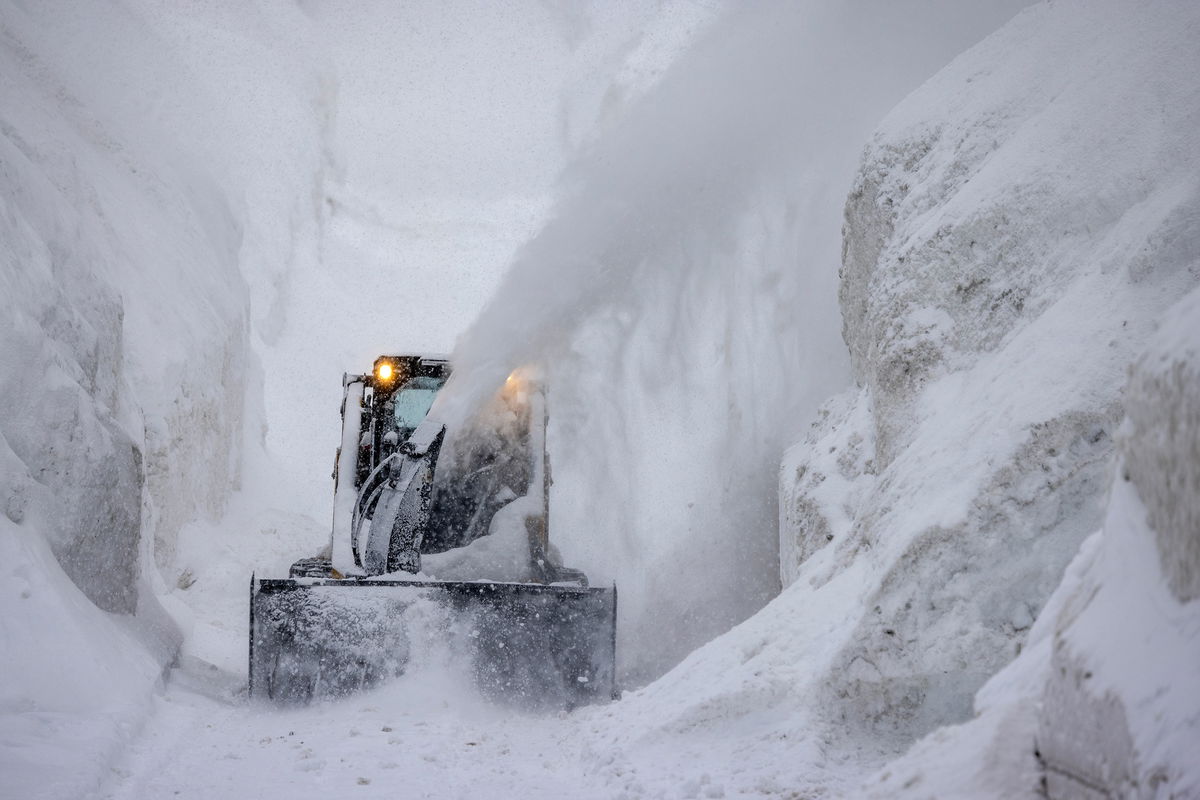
{"x": 384, "y": 372}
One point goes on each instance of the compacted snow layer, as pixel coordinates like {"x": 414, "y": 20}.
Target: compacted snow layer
{"x": 1020, "y": 226}
{"x": 1105, "y": 696}
{"x": 1016, "y": 230}
{"x": 1122, "y": 699}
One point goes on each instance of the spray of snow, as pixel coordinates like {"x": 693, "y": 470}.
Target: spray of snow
{"x": 682, "y": 297}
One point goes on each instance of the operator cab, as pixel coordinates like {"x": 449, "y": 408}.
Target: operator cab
{"x": 399, "y": 393}
{"x": 489, "y": 464}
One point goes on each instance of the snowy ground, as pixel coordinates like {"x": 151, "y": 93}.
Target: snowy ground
{"x": 730, "y": 737}
{"x": 429, "y": 734}
{"x": 397, "y": 742}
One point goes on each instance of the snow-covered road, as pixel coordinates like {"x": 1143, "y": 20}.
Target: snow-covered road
{"x": 202, "y": 744}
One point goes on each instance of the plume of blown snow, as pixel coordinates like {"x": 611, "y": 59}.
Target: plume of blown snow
{"x": 682, "y": 296}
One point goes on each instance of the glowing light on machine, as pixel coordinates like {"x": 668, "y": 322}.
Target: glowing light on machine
{"x": 384, "y": 371}
{"x": 519, "y": 383}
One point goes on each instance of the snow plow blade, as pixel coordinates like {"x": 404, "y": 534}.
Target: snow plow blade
{"x": 534, "y": 645}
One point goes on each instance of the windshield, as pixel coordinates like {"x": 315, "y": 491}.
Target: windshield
{"x": 413, "y": 399}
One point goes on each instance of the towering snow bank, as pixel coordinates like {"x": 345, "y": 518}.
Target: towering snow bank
{"x": 1161, "y": 444}
{"x": 1121, "y": 705}
{"x": 1106, "y": 696}
{"x": 133, "y": 206}
{"x": 82, "y": 230}
{"x": 1017, "y": 228}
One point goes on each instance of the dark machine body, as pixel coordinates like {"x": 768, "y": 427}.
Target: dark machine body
{"x": 341, "y": 621}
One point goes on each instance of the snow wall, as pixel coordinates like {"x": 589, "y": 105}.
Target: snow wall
{"x": 1014, "y": 234}
{"x": 682, "y": 296}
{"x": 1018, "y": 229}
{"x": 1104, "y": 695}
{"x": 159, "y": 170}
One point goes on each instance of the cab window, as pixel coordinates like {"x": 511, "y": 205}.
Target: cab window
{"x": 412, "y": 400}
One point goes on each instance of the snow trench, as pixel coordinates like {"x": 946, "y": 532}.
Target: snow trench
{"x": 917, "y": 598}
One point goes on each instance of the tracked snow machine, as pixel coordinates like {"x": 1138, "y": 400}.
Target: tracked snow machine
{"x": 407, "y": 536}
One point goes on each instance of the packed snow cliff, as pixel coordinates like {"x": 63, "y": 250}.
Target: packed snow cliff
{"x": 145, "y": 213}
{"x": 1018, "y": 229}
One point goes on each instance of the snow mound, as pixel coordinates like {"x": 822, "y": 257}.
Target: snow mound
{"x": 501, "y": 555}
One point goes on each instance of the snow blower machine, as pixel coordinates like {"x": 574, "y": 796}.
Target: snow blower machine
{"x": 462, "y": 532}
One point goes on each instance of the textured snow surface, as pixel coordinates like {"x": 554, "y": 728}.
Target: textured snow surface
{"x": 1107, "y": 686}
{"x": 385, "y": 747}
{"x": 1017, "y": 229}
{"x": 148, "y": 191}
{"x": 1162, "y": 440}
{"x": 1132, "y": 632}
{"x": 76, "y": 681}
